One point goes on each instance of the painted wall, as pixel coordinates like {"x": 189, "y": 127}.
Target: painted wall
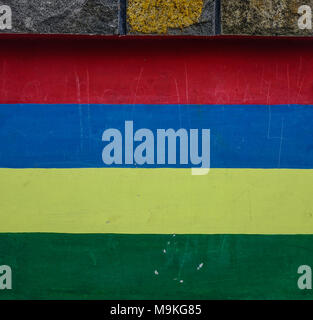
{"x": 72, "y": 227}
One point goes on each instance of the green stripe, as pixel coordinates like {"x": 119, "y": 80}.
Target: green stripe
{"x": 59, "y": 266}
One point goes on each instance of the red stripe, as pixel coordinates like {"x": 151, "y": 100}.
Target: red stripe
{"x": 151, "y": 71}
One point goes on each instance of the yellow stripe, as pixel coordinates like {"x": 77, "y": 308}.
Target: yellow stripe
{"x": 228, "y": 201}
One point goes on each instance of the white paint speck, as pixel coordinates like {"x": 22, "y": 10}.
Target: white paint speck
{"x": 156, "y": 272}
{"x": 181, "y": 281}
{"x": 164, "y": 251}
{"x": 200, "y": 266}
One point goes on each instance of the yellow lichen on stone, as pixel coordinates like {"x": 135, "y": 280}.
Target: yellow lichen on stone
{"x": 156, "y": 16}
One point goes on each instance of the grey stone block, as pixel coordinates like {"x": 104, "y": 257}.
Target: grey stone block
{"x": 263, "y": 17}
{"x": 61, "y": 16}
{"x": 183, "y": 17}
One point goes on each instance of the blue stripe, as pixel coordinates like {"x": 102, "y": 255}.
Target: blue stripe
{"x": 70, "y": 135}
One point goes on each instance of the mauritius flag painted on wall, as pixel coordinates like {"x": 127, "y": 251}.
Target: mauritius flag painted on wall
{"x": 75, "y": 227}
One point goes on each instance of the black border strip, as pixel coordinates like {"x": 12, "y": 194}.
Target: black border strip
{"x": 172, "y": 309}
{"x": 122, "y": 18}
{"x": 218, "y": 21}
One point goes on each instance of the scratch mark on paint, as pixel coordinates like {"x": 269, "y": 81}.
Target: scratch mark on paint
{"x": 88, "y": 100}
{"x": 300, "y": 89}
{"x": 222, "y": 245}
{"x": 137, "y": 86}
{"x": 78, "y": 88}
{"x": 3, "y": 90}
{"x": 178, "y": 98}
{"x": 288, "y": 81}
{"x": 187, "y": 85}
{"x": 281, "y": 142}
{"x": 93, "y": 258}
{"x": 184, "y": 258}
{"x": 177, "y": 91}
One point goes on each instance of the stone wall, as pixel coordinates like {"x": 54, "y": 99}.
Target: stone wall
{"x": 180, "y": 17}
{"x": 262, "y": 17}
{"x": 154, "y": 17}
{"x": 63, "y": 16}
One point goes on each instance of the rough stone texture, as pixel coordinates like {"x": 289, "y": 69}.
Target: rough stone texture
{"x": 262, "y": 17}
{"x": 64, "y": 16}
{"x": 173, "y": 17}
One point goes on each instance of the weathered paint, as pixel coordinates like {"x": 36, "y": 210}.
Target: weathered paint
{"x": 106, "y": 266}
{"x": 70, "y": 135}
{"x": 171, "y": 71}
{"x": 226, "y": 201}
{"x": 57, "y": 266}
